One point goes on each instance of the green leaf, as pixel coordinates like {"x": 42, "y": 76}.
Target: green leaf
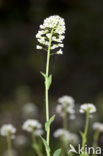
{"x": 49, "y": 81}
{"x": 57, "y": 152}
{"x": 44, "y": 75}
{"x": 45, "y": 144}
{"x": 48, "y": 123}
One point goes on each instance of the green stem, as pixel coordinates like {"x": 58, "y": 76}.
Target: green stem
{"x": 9, "y": 145}
{"x": 46, "y": 90}
{"x": 84, "y": 139}
{"x": 36, "y": 145}
{"x": 95, "y": 140}
{"x": 65, "y": 121}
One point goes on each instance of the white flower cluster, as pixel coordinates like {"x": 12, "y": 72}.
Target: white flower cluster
{"x": 66, "y": 105}
{"x": 33, "y": 125}
{"x": 67, "y": 136}
{"x": 8, "y": 129}
{"x": 53, "y": 28}
{"x": 29, "y": 110}
{"x": 98, "y": 126}
{"x": 87, "y": 107}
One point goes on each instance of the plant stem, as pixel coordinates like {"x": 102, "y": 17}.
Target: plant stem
{"x": 87, "y": 123}
{"x": 9, "y": 145}
{"x": 84, "y": 138}
{"x": 95, "y": 140}
{"x": 65, "y": 121}
{"x": 35, "y": 145}
{"x": 47, "y": 89}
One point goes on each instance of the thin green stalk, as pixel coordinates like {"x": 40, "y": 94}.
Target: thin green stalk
{"x": 36, "y": 145}
{"x": 65, "y": 126}
{"x": 46, "y": 90}
{"x": 84, "y": 138}
{"x": 95, "y": 140}
{"x": 9, "y": 145}
{"x": 87, "y": 123}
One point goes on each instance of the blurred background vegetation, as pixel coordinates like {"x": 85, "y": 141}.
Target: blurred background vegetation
{"x": 78, "y": 72}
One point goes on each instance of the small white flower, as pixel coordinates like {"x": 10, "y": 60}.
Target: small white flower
{"x": 60, "y": 52}
{"x": 38, "y": 47}
{"x": 66, "y": 100}
{"x": 61, "y": 45}
{"x": 8, "y": 129}
{"x": 31, "y": 125}
{"x": 54, "y": 46}
{"x": 98, "y": 126}
{"x": 87, "y": 107}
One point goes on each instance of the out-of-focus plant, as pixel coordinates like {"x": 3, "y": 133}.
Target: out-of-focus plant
{"x": 8, "y": 131}
{"x": 87, "y": 108}
{"x": 98, "y": 128}
{"x": 65, "y": 109}
{"x": 50, "y": 36}
{"x": 35, "y": 128}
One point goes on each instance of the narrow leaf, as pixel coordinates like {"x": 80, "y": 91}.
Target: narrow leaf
{"x": 48, "y": 123}
{"x": 45, "y": 144}
{"x": 49, "y": 81}
{"x": 44, "y": 75}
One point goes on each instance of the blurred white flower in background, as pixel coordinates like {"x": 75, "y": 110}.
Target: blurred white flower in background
{"x": 29, "y": 110}
{"x": 8, "y": 129}
{"x": 66, "y": 106}
{"x": 87, "y": 107}
{"x": 33, "y": 126}
{"x": 53, "y": 28}
{"x": 98, "y": 126}
{"x": 66, "y": 100}
{"x": 20, "y": 141}
{"x": 67, "y": 136}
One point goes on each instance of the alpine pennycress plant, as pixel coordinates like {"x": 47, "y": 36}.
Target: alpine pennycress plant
{"x": 50, "y": 37}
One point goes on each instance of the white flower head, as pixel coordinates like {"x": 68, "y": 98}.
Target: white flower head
{"x": 53, "y": 28}
{"x": 31, "y": 124}
{"x": 98, "y": 126}
{"x": 66, "y": 100}
{"x": 34, "y": 126}
{"x": 66, "y": 135}
{"x": 8, "y": 129}
{"x": 66, "y": 106}
{"x": 87, "y": 107}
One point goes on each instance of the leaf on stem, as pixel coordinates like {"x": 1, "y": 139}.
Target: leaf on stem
{"x": 48, "y": 123}
{"x": 45, "y": 144}
{"x": 57, "y": 152}
{"x": 44, "y": 75}
{"x": 49, "y": 81}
